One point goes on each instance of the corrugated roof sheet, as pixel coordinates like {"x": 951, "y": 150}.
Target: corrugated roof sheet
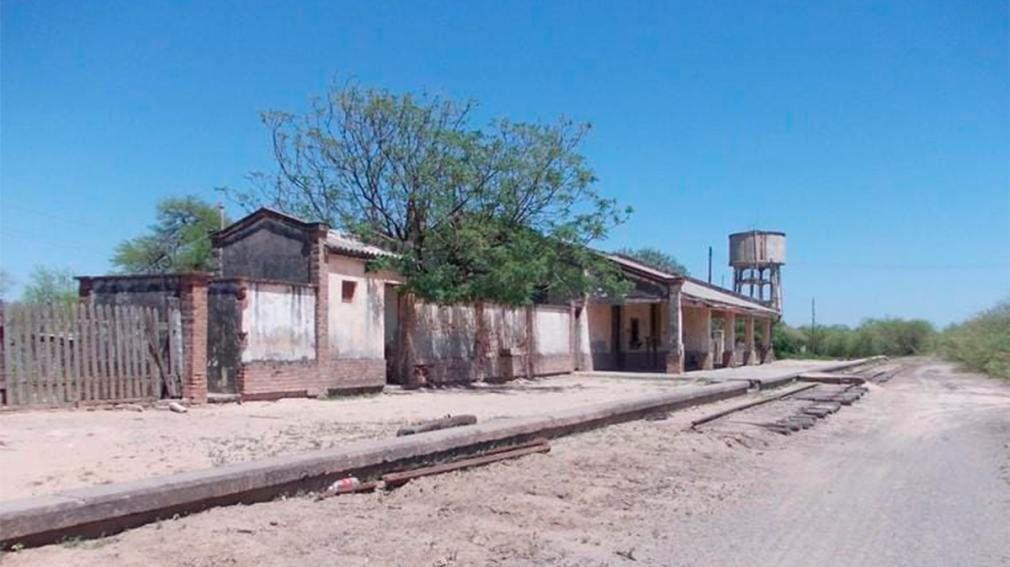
{"x": 343, "y": 242}
{"x": 695, "y": 289}
{"x": 636, "y": 265}
{"x": 707, "y": 294}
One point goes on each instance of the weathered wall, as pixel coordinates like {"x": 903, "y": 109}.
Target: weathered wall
{"x": 356, "y": 327}
{"x": 278, "y": 321}
{"x": 445, "y": 342}
{"x": 443, "y": 332}
{"x": 224, "y": 338}
{"x": 268, "y": 250}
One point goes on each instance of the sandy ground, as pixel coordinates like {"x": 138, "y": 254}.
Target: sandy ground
{"x": 916, "y": 473}
{"x": 45, "y": 451}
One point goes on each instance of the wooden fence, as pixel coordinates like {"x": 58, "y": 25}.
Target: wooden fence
{"x": 56, "y": 354}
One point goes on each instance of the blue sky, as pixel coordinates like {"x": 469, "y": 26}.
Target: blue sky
{"x": 877, "y": 135}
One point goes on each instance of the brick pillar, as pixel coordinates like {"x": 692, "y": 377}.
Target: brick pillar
{"x": 748, "y": 348}
{"x": 706, "y": 359}
{"x": 729, "y": 344}
{"x": 766, "y": 341}
{"x": 319, "y": 276}
{"x": 193, "y": 308}
{"x": 674, "y": 333}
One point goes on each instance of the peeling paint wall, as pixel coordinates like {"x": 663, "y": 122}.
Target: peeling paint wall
{"x": 279, "y": 322}
{"x": 553, "y": 330}
{"x": 444, "y": 332}
{"x": 357, "y": 322}
{"x": 444, "y": 341}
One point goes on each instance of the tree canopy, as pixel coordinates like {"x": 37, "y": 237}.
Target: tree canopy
{"x": 50, "y": 285}
{"x": 177, "y": 242}
{"x": 656, "y": 258}
{"x": 502, "y": 213}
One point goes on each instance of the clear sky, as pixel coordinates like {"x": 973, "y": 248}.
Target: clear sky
{"x": 876, "y": 134}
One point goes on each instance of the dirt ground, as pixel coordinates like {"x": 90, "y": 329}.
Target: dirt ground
{"x": 46, "y": 451}
{"x": 915, "y": 473}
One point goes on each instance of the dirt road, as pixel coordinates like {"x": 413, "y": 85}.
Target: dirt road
{"x": 916, "y": 473}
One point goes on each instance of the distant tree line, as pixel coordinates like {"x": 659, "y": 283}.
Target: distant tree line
{"x": 982, "y": 343}
{"x": 872, "y": 337}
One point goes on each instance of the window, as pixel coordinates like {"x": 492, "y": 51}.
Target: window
{"x": 347, "y": 290}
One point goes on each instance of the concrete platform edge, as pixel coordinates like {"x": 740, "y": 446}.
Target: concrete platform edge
{"x": 107, "y": 509}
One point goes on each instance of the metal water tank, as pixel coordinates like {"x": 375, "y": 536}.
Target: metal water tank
{"x": 757, "y": 248}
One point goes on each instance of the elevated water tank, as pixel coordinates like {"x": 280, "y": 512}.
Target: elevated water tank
{"x": 756, "y": 257}
{"x": 757, "y": 248}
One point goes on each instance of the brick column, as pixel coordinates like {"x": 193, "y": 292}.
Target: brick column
{"x": 706, "y": 358}
{"x": 766, "y": 341}
{"x": 319, "y": 276}
{"x": 729, "y": 344}
{"x": 193, "y": 308}
{"x": 748, "y": 348}
{"x": 674, "y": 337}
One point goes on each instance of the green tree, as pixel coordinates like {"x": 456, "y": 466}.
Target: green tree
{"x": 656, "y": 258}
{"x": 500, "y": 214}
{"x": 50, "y": 285}
{"x": 177, "y": 242}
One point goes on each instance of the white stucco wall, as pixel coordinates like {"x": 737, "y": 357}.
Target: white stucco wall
{"x": 279, "y": 322}
{"x": 552, "y": 330}
{"x": 356, "y": 328}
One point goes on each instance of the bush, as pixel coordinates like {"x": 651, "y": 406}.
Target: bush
{"x": 891, "y": 337}
{"x": 982, "y": 342}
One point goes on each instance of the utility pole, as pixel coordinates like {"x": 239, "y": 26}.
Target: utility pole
{"x": 710, "y": 264}
{"x": 220, "y": 214}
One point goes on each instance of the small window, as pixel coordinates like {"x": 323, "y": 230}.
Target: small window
{"x": 347, "y": 291}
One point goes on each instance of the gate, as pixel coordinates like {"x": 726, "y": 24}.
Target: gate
{"x": 65, "y": 354}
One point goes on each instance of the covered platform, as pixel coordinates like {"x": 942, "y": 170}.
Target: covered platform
{"x": 671, "y": 324}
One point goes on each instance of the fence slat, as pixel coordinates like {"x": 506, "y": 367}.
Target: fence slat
{"x": 102, "y": 351}
{"x": 135, "y": 354}
{"x": 75, "y": 332}
{"x": 96, "y": 360}
{"x": 120, "y": 353}
{"x": 127, "y": 341}
{"x": 26, "y": 354}
{"x": 8, "y": 350}
{"x": 87, "y": 378}
{"x": 47, "y": 357}
{"x": 61, "y": 344}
